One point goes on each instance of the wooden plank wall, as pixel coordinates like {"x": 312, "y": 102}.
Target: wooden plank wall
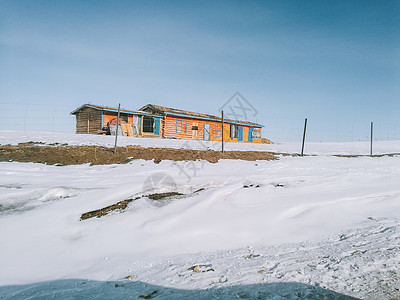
{"x": 169, "y": 130}
{"x": 108, "y": 116}
{"x": 88, "y": 114}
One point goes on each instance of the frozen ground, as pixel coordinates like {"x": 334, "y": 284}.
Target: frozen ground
{"x": 317, "y": 227}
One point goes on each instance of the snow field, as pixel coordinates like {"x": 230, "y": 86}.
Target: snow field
{"x": 283, "y": 229}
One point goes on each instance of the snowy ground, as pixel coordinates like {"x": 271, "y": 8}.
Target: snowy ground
{"x": 317, "y": 227}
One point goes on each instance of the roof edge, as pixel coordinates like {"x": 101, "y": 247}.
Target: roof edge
{"x": 105, "y": 108}
{"x": 202, "y": 116}
{"x": 85, "y": 105}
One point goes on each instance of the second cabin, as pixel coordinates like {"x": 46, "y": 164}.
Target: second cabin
{"x": 163, "y": 122}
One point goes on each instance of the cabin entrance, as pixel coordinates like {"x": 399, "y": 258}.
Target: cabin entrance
{"x": 240, "y": 133}
{"x": 206, "y": 132}
{"x": 195, "y": 130}
{"x": 148, "y": 124}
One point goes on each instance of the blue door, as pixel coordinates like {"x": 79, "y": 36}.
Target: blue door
{"x": 206, "y": 132}
{"x": 157, "y": 126}
{"x": 250, "y": 134}
{"x": 240, "y": 134}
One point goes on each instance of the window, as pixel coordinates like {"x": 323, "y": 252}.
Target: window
{"x": 181, "y": 126}
{"x": 124, "y": 117}
{"x": 148, "y": 124}
{"x": 217, "y": 132}
{"x": 256, "y": 134}
{"x": 234, "y": 131}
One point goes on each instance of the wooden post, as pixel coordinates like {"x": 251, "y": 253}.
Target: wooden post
{"x": 116, "y": 131}
{"x": 304, "y": 137}
{"x": 88, "y": 124}
{"x": 372, "y": 131}
{"x": 222, "y": 131}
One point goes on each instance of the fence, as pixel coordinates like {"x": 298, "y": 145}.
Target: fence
{"x": 37, "y": 117}
{"x": 57, "y": 118}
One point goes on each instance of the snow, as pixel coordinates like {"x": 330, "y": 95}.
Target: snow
{"x": 294, "y": 228}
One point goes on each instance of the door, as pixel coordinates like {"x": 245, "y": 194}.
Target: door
{"x": 136, "y": 125}
{"x": 206, "y": 132}
{"x": 157, "y": 126}
{"x": 195, "y": 130}
{"x": 250, "y": 139}
{"x": 240, "y": 133}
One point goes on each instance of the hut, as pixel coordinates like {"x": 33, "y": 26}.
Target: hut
{"x": 178, "y": 123}
{"x": 96, "y": 119}
{"x": 159, "y": 121}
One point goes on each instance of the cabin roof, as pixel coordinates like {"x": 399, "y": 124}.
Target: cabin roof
{"x": 107, "y": 108}
{"x": 179, "y": 112}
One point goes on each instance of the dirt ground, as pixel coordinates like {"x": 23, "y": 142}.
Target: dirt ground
{"x": 73, "y": 155}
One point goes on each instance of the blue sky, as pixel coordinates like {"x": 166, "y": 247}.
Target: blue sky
{"x": 334, "y": 62}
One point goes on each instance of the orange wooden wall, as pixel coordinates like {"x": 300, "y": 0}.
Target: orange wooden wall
{"x": 169, "y": 129}
{"x": 108, "y": 116}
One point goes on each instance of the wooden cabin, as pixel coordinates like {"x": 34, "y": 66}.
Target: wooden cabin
{"x": 182, "y": 124}
{"x": 96, "y": 119}
{"x": 158, "y": 121}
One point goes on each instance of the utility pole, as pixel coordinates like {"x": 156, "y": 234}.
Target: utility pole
{"x": 116, "y": 131}
{"x": 372, "y": 132}
{"x": 304, "y": 137}
{"x": 222, "y": 131}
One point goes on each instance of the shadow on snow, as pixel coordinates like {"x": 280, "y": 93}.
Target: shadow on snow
{"x": 86, "y": 289}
